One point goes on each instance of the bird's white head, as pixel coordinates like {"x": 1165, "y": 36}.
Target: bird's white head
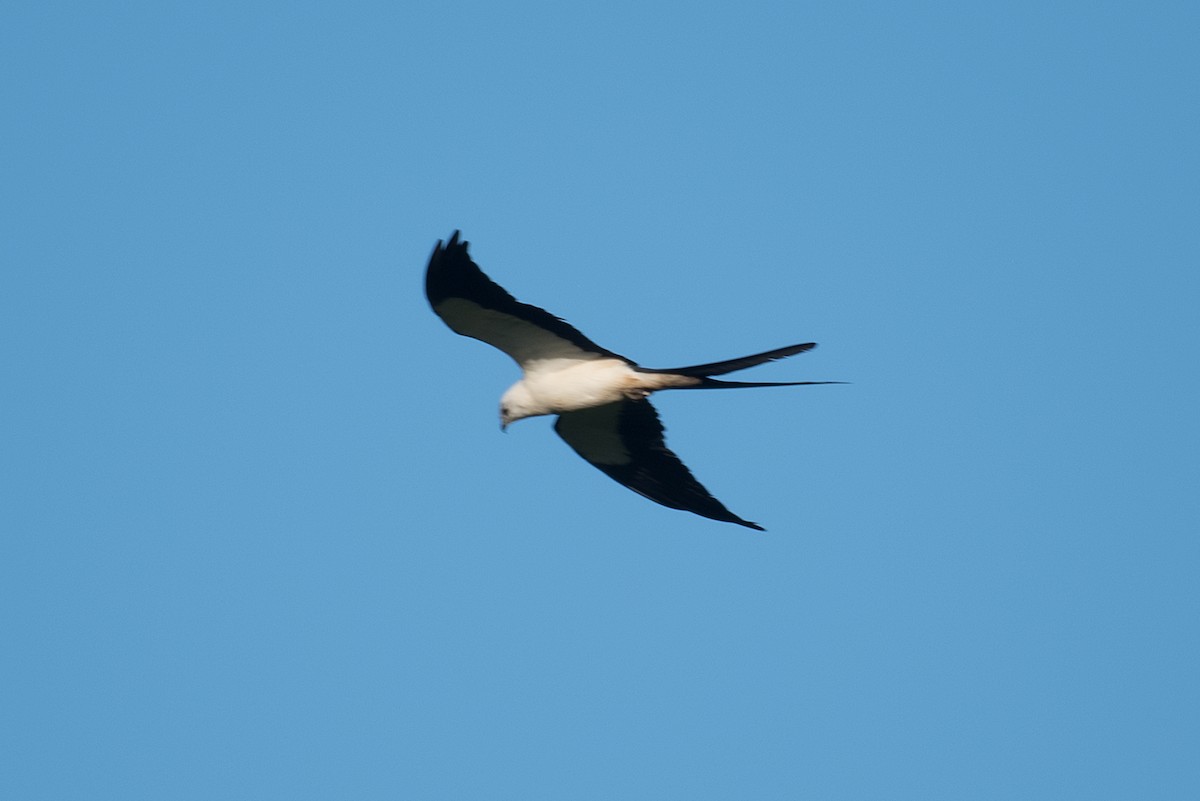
{"x": 517, "y": 403}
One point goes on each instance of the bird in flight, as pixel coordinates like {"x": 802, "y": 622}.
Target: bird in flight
{"x": 601, "y": 398}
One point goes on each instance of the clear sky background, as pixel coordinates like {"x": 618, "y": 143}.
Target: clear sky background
{"x": 262, "y": 537}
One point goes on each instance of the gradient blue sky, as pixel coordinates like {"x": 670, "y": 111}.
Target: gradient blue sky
{"x": 263, "y": 539}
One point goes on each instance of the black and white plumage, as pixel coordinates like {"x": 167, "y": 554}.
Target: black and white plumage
{"x": 599, "y": 396}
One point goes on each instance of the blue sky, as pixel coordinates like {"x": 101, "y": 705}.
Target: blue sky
{"x": 263, "y": 538}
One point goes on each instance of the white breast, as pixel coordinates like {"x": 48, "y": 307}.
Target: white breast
{"x": 577, "y": 385}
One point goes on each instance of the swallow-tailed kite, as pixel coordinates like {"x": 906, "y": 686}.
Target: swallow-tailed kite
{"x": 600, "y": 397}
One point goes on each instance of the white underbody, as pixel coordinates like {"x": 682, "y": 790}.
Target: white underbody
{"x": 555, "y": 386}
{"x": 559, "y": 374}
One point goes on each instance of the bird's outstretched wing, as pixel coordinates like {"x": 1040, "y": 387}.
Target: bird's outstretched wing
{"x": 625, "y": 440}
{"x": 475, "y": 306}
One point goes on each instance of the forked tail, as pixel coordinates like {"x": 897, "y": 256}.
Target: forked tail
{"x": 705, "y": 371}
{"x": 713, "y": 383}
{"x": 732, "y": 365}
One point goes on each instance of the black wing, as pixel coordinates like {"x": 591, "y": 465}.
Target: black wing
{"x": 475, "y": 306}
{"x": 625, "y": 440}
